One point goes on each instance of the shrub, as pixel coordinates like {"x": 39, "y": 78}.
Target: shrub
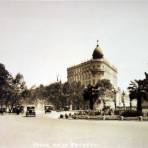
{"x": 117, "y": 112}
{"x": 61, "y": 116}
{"x": 97, "y": 113}
{"x": 130, "y": 113}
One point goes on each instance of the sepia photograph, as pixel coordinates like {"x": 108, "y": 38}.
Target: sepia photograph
{"x": 73, "y": 74}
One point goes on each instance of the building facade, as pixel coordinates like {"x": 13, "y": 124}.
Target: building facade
{"x": 91, "y": 71}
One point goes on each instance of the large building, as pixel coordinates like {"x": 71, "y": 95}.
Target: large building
{"x": 91, "y": 71}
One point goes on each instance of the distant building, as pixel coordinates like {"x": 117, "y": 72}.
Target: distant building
{"x": 91, "y": 71}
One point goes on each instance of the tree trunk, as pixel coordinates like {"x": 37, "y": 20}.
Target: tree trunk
{"x": 115, "y": 104}
{"x": 130, "y": 105}
{"x": 139, "y": 105}
{"x": 91, "y": 103}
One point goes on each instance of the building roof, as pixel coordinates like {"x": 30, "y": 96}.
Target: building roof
{"x": 97, "y": 53}
{"x": 90, "y": 61}
{"x": 98, "y": 57}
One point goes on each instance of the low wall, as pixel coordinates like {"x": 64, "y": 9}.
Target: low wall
{"x": 109, "y": 117}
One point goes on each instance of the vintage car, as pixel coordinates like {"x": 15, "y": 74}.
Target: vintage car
{"x": 21, "y": 109}
{"x": 48, "y": 108}
{"x": 66, "y": 108}
{"x": 17, "y": 109}
{"x": 30, "y": 112}
{"x": 2, "y": 110}
{"x": 13, "y": 109}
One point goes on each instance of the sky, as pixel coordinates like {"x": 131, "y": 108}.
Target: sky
{"x": 40, "y": 39}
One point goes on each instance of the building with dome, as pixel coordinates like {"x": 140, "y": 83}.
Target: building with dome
{"x": 91, "y": 71}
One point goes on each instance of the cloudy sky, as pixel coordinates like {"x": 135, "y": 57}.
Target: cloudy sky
{"x": 40, "y": 39}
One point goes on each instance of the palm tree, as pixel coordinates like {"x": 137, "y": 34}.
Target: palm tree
{"x": 87, "y": 95}
{"x": 92, "y": 93}
{"x": 138, "y": 90}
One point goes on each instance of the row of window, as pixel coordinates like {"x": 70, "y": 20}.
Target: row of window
{"x": 83, "y": 69}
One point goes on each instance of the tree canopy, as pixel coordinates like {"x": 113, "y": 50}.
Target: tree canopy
{"x": 93, "y": 92}
{"x": 12, "y": 89}
{"x": 138, "y": 89}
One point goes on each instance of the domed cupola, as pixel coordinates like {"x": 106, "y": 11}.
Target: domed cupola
{"x": 97, "y": 54}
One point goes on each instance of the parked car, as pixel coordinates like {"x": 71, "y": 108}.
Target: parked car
{"x": 30, "y": 111}
{"x": 2, "y": 110}
{"x": 48, "y": 108}
{"x": 21, "y": 109}
{"x": 17, "y": 109}
{"x": 66, "y": 108}
{"x": 14, "y": 109}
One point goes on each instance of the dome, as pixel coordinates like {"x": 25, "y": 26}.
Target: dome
{"x": 97, "y": 54}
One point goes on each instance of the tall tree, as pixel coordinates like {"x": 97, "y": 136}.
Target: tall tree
{"x": 74, "y": 94}
{"x": 54, "y": 93}
{"x": 92, "y": 93}
{"x": 138, "y": 90}
{"x": 18, "y": 90}
{"x": 5, "y": 80}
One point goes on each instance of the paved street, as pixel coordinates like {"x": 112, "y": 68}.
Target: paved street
{"x": 48, "y": 132}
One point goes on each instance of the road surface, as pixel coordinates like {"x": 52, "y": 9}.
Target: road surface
{"x": 44, "y": 131}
